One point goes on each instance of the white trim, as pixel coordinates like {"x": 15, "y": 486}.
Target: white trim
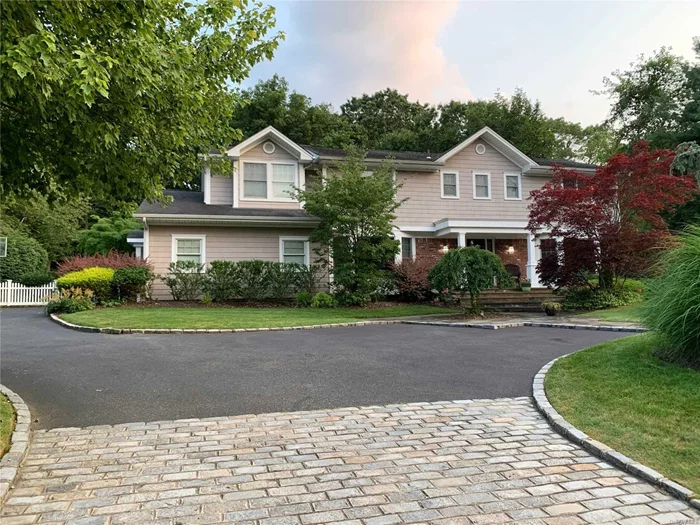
{"x": 146, "y": 239}
{"x": 488, "y": 175}
{"x": 301, "y": 181}
{"x": 269, "y": 181}
{"x": 442, "y": 184}
{"x": 206, "y": 184}
{"x": 280, "y": 138}
{"x": 235, "y": 175}
{"x": 480, "y": 149}
{"x": 174, "y": 237}
{"x": 134, "y": 240}
{"x": 269, "y": 143}
{"x": 505, "y": 186}
{"x": 534, "y": 254}
{"x": 499, "y": 143}
{"x": 307, "y": 251}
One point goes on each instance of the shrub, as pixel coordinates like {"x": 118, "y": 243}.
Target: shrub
{"x": 186, "y": 280}
{"x": 550, "y": 307}
{"x": 223, "y": 280}
{"x": 253, "y": 279}
{"x": 99, "y": 280}
{"x": 70, "y": 300}
{"x": 131, "y": 281}
{"x": 525, "y": 283}
{"x": 587, "y": 298}
{"x": 411, "y": 278}
{"x": 308, "y": 278}
{"x": 283, "y": 279}
{"x": 303, "y": 299}
{"x": 323, "y": 300}
{"x": 37, "y": 278}
{"x": 24, "y": 255}
{"x": 113, "y": 259}
{"x": 673, "y": 304}
{"x": 468, "y": 270}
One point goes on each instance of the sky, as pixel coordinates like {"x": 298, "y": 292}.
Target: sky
{"x": 438, "y": 51}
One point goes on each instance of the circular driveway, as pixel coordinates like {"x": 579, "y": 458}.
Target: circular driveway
{"x": 71, "y": 378}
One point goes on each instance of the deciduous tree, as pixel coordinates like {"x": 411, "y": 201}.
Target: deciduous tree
{"x": 610, "y": 221}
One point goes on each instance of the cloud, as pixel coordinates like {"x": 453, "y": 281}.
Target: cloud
{"x": 347, "y": 48}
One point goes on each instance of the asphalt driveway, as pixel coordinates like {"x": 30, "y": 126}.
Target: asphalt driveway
{"x": 71, "y": 378}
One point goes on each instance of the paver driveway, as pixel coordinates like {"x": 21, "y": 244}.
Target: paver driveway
{"x": 492, "y": 461}
{"x": 71, "y": 378}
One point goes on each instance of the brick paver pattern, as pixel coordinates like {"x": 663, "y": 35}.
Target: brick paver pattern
{"x": 484, "y": 461}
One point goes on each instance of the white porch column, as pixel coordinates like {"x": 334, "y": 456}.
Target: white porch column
{"x": 534, "y": 255}
{"x": 461, "y": 239}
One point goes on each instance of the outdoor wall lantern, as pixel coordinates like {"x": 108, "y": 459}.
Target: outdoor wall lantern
{"x": 445, "y": 249}
{"x": 511, "y": 250}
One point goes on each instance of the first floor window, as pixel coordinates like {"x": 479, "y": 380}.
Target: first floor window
{"x": 293, "y": 251}
{"x": 255, "y": 180}
{"x": 406, "y": 248}
{"x": 189, "y": 249}
{"x": 512, "y": 186}
{"x": 482, "y": 186}
{"x": 450, "y": 185}
{"x": 283, "y": 179}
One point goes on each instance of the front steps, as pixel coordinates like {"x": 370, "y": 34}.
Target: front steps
{"x": 514, "y": 300}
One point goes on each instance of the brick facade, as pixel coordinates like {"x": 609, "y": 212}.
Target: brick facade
{"x": 431, "y": 248}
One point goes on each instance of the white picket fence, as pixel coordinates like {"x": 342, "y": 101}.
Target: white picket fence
{"x": 15, "y": 294}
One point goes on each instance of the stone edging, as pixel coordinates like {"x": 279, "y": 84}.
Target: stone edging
{"x": 19, "y": 445}
{"x": 601, "y": 450}
{"x": 91, "y": 329}
{"x": 458, "y": 324}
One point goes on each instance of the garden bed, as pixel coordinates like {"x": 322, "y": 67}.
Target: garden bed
{"x": 231, "y": 317}
{"x": 621, "y": 395}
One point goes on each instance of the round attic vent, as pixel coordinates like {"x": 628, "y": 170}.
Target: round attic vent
{"x": 480, "y": 149}
{"x": 269, "y": 147}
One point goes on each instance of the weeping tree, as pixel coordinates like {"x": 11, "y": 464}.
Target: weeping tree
{"x": 468, "y": 270}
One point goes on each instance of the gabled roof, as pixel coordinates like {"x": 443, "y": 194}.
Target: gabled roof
{"x": 380, "y": 154}
{"x": 497, "y": 142}
{"x": 267, "y": 134}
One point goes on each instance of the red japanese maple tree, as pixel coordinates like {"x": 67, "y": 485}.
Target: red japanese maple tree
{"x": 608, "y": 222}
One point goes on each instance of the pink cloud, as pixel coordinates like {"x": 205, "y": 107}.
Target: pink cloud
{"x": 362, "y": 47}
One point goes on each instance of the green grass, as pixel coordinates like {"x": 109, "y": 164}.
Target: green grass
{"x": 7, "y": 423}
{"x": 623, "y": 396}
{"x": 624, "y": 314}
{"x": 200, "y": 318}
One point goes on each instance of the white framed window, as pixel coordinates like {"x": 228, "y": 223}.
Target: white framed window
{"x": 408, "y": 248}
{"x": 294, "y": 250}
{"x": 269, "y": 181}
{"x": 482, "y": 185}
{"x": 449, "y": 184}
{"x": 284, "y": 177}
{"x": 189, "y": 248}
{"x": 512, "y": 187}
{"x": 255, "y": 180}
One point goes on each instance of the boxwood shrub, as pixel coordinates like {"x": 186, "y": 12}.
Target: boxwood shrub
{"x": 24, "y": 255}
{"x": 99, "y": 280}
{"x": 128, "y": 282}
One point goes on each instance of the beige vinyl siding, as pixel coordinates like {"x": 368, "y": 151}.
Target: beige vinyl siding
{"x": 232, "y": 244}
{"x": 425, "y": 205}
{"x": 257, "y": 154}
{"x": 221, "y": 190}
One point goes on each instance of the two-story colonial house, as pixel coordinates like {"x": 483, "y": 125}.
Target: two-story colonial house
{"x": 474, "y": 194}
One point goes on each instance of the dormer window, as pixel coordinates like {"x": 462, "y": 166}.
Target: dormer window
{"x": 269, "y": 181}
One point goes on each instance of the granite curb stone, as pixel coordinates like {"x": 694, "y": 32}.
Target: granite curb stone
{"x": 601, "y": 450}
{"x": 19, "y": 444}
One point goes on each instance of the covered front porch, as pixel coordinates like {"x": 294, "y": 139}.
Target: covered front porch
{"x": 514, "y": 245}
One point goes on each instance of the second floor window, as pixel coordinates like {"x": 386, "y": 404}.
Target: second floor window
{"x": 255, "y": 180}
{"x": 450, "y": 185}
{"x": 482, "y": 185}
{"x": 512, "y": 183}
{"x": 283, "y": 178}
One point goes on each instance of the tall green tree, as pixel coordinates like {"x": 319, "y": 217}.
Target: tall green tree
{"x": 356, "y": 213}
{"x": 118, "y": 99}
{"x": 107, "y": 234}
{"x": 270, "y": 103}
{"x": 54, "y": 224}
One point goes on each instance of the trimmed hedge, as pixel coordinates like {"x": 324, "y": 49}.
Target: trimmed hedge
{"x": 37, "y": 278}
{"x": 250, "y": 280}
{"x": 99, "y": 280}
{"x": 585, "y": 298}
{"x": 128, "y": 282}
{"x": 24, "y": 255}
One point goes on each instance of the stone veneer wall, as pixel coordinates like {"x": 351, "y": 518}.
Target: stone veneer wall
{"x": 431, "y": 248}
{"x": 518, "y": 257}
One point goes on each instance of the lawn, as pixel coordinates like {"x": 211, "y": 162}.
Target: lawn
{"x": 623, "y": 396}
{"x": 199, "y": 318}
{"x": 624, "y": 314}
{"x": 7, "y": 423}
